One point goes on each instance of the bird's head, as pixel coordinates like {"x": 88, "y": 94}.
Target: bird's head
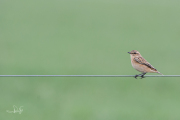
{"x": 134, "y": 53}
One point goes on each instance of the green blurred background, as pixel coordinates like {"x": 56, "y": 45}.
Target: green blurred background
{"x": 88, "y": 37}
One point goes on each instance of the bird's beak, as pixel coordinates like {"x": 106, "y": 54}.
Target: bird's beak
{"x": 129, "y": 52}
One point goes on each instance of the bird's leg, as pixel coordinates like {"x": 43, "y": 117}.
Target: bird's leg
{"x": 142, "y": 76}
{"x": 138, "y": 75}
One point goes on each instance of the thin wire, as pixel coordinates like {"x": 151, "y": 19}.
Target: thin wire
{"x": 87, "y": 76}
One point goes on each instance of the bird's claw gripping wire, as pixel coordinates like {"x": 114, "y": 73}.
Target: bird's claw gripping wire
{"x": 141, "y": 75}
{"x": 136, "y": 76}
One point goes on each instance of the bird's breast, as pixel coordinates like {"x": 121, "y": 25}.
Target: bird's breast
{"x": 137, "y": 66}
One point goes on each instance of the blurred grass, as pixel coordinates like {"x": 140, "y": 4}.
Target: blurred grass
{"x": 89, "y": 37}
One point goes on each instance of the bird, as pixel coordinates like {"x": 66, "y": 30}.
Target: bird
{"x": 141, "y": 65}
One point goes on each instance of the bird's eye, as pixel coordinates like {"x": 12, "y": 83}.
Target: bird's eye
{"x": 134, "y": 53}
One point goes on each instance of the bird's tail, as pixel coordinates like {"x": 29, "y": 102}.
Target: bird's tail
{"x": 159, "y": 73}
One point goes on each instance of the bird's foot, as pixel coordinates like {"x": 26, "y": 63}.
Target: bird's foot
{"x": 142, "y": 76}
{"x": 136, "y": 76}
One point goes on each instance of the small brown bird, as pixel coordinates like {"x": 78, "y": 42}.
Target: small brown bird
{"x": 140, "y": 64}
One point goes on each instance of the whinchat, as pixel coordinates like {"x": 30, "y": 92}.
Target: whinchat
{"x": 140, "y": 64}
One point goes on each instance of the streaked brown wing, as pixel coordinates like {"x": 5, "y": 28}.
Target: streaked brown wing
{"x": 143, "y": 62}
